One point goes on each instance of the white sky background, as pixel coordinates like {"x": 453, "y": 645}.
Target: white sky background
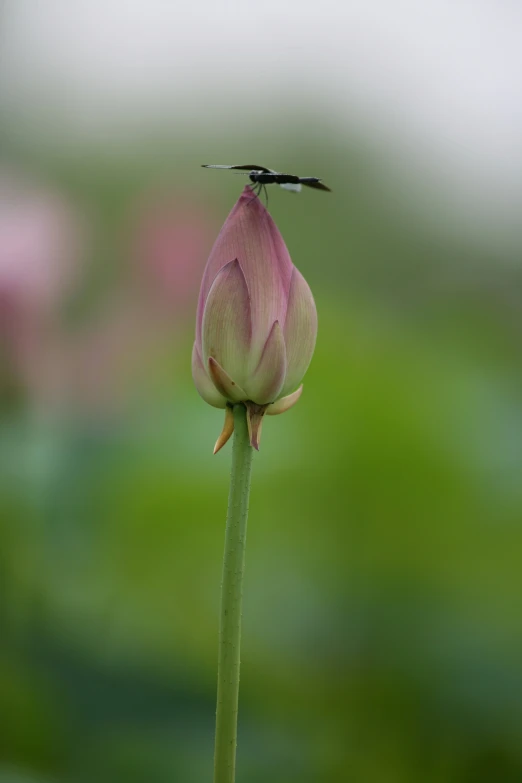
{"x": 440, "y": 80}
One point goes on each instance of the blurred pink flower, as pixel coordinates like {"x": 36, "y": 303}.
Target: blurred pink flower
{"x": 130, "y": 332}
{"x": 171, "y": 244}
{"x": 39, "y": 264}
{"x": 38, "y": 246}
{"x": 136, "y": 330}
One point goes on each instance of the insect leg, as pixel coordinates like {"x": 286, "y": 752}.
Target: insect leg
{"x": 256, "y": 190}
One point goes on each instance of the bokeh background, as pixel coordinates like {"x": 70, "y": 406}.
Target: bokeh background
{"x": 383, "y": 609}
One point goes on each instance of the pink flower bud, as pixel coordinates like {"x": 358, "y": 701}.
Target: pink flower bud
{"x": 256, "y": 321}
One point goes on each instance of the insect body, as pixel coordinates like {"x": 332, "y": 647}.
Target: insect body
{"x": 260, "y": 177}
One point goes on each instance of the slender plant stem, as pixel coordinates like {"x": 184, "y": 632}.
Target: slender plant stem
{"x": 231, "y": 602}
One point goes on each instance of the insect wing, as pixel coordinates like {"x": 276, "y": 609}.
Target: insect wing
{"x": 295, "y": 187}
{"x": 241, "y": 168}
{"x": 311, "y": 182}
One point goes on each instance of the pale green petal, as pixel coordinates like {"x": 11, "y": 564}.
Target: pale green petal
{"x": 300, "y": 331}
{"x": 204, "y": 384}
{"x": 265, "y": 382}
{"x": 224, "y": 383}
{"x": 226, "y": 328}
{"x": 284, "y": 403}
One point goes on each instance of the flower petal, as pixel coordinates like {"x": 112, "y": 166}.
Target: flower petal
{"x": 224, "y": 383}
{"x": 300, "y": 331}
{"x": 284, "y": 403}
{"x": 227, "y": 328}
{"x": 204, "y": 384}
{"x": 250, "y": 235}
{"x": 266, "y": 381}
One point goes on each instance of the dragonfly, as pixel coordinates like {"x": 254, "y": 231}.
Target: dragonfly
{"x": 261, "y": 177}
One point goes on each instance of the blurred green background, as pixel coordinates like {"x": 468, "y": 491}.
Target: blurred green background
{"x": 382, "y": 637}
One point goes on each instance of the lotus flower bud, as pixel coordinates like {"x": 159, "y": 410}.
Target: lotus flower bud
{"x": 256, "y": 321}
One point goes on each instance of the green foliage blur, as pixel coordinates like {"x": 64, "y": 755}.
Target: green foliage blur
{"x": 382, "y": 634}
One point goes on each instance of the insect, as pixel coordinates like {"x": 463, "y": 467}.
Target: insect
{"x": 261, "y": 177}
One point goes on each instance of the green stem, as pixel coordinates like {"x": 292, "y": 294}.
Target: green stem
{"x": 231, "y": 602}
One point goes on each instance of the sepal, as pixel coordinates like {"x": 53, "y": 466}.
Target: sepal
{"x": 228, "y": 429}
{"x": 255, "y": 415}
